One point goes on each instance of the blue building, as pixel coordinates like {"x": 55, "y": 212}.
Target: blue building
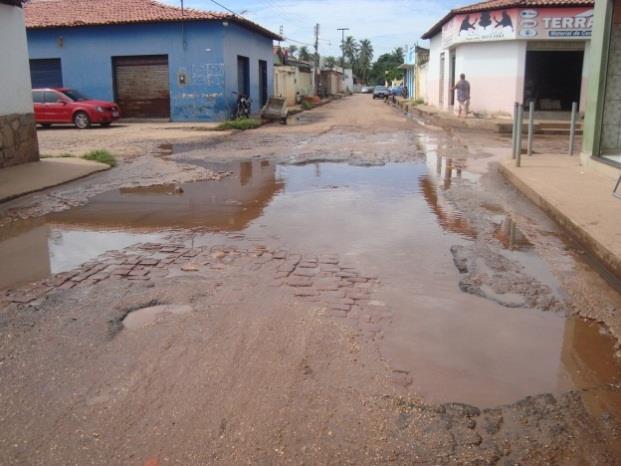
{"x": 409, "y": 71}
{"x": 155, "y": 60}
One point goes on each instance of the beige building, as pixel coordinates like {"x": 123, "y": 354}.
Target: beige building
{"x": 293, "y": 79}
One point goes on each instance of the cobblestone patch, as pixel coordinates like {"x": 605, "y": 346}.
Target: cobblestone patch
{"x": 337, "y": 290}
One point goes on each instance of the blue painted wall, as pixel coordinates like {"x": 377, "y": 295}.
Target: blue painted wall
{"x": 206, "y": 52}
{"x": 236, "y": 44}
{"x": 410, "y": 78}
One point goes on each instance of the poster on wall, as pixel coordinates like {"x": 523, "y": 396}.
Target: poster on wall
{"x": 481, "y": 27}
{"x": 511, "y": 24}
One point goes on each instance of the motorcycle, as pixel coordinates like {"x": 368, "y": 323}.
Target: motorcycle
{"x": 242, "y": 106}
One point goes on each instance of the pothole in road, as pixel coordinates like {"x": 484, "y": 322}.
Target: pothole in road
{"x": 390, "y": 221}
{"x": 146, "y": 316}
{"x": 510, "y": 236}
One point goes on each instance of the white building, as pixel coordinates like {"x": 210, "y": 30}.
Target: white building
{"x": 18, "y": 137}
{"x": 512, "y": 51}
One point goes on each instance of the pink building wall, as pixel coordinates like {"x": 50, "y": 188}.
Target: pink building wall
{"x": 495, "y": 71}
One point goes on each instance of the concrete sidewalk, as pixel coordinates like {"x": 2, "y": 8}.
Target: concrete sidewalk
{"x": 501, "y": 125}
{"x": 30, "y": 177}
{"x": 578, "y": 198}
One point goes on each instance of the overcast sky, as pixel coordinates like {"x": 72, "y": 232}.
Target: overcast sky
{"x": 388, "y": 23}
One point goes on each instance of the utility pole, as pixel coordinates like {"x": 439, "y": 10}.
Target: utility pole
{"x": 317, "y": 72}
{"x": 343, "y": 50}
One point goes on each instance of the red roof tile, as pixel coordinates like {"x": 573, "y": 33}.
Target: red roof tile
{"x": 500, "y": 4}
{"x": 42, "y": 14}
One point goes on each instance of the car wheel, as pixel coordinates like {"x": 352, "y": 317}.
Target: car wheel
{"x": 46, "y": 125}
{"x": 81, "y": 120}
{"x": 106, "y": 124}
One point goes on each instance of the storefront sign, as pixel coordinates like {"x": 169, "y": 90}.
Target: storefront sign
{"x": 556, "y": 23}
{"x": 511, "y": 24}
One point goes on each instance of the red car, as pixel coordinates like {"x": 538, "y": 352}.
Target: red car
{"x": 62, "y": 105}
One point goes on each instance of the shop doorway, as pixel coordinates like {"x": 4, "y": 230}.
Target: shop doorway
{"x": 553, "y": 79}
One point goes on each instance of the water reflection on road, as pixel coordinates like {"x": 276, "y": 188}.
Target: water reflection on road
{"x": 391, "y": 221}
{"x": 32, "y": 249}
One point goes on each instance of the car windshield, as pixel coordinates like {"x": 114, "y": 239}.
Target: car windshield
{"x": 75, "y": 95}
{"x": 381, "y": 88}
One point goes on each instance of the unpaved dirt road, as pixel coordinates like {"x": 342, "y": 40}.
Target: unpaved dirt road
{"x": 350, "y": 289}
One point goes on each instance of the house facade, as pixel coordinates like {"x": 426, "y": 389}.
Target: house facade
{"x": 512, "y": 51}
{"x": 409, "y": 71}
{"x": 331, "y": 82}
{"x": 415, "y": 72}
{"x": 155, "y": 60}
{"x": 293, "y": 78}
{"x": 422, "y": 62}
{"x": 18, "y": 138}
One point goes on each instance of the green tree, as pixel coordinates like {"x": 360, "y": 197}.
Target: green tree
{"x": 365, "y": 58}
{"x": 329, "y": 62}
{"x": 304, "y": 54}
{"x": 291, "y": 50}
{"x": 386, "y": 68}
{"x": 350, "y": 50}
{"x": 399, "y": 54}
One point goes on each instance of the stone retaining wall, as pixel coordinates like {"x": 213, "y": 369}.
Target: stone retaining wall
{"x": 18, "y": 139}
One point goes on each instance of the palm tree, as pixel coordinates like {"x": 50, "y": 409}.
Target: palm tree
{"x": 304, "y": 54}
{"x": 350, "y": 49}
{"x": 365, "y": 58}
{"x": 292, "y": 49}
{"x": 399, "y": 54}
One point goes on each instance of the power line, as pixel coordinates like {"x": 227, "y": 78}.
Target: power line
{"x": 222, "y": 6}
{"x": 283, "y": 14}
{"x": 276, "y": 10}
{"x": 289, "y": 39}
{"x": 269, "y": 6}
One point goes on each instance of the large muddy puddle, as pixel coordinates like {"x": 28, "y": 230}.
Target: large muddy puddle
{"x": 390, "y": 221}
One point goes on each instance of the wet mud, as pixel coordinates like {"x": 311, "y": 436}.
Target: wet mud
{"x": 454, "y": 289}
{"x": 397, "y": 227}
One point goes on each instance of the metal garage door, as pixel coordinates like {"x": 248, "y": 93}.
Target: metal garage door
{"x": 46, "y": 73}
{"x": 141, "y": 86}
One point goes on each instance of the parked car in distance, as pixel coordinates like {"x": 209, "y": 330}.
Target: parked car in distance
{"x": 380, "y": 92}
{"x": 396, "y": 90}
{"x": 366, "y": 89}
{"x": 63, "y": 105}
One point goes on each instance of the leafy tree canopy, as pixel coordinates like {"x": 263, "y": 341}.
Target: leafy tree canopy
{"x": 386, "y": 67}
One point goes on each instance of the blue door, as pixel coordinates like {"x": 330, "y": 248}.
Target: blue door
{"x": 46, "y": 73}
{"x": 243, "y": 75}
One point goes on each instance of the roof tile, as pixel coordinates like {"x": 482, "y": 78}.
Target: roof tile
{"x": 41, "y": 14}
